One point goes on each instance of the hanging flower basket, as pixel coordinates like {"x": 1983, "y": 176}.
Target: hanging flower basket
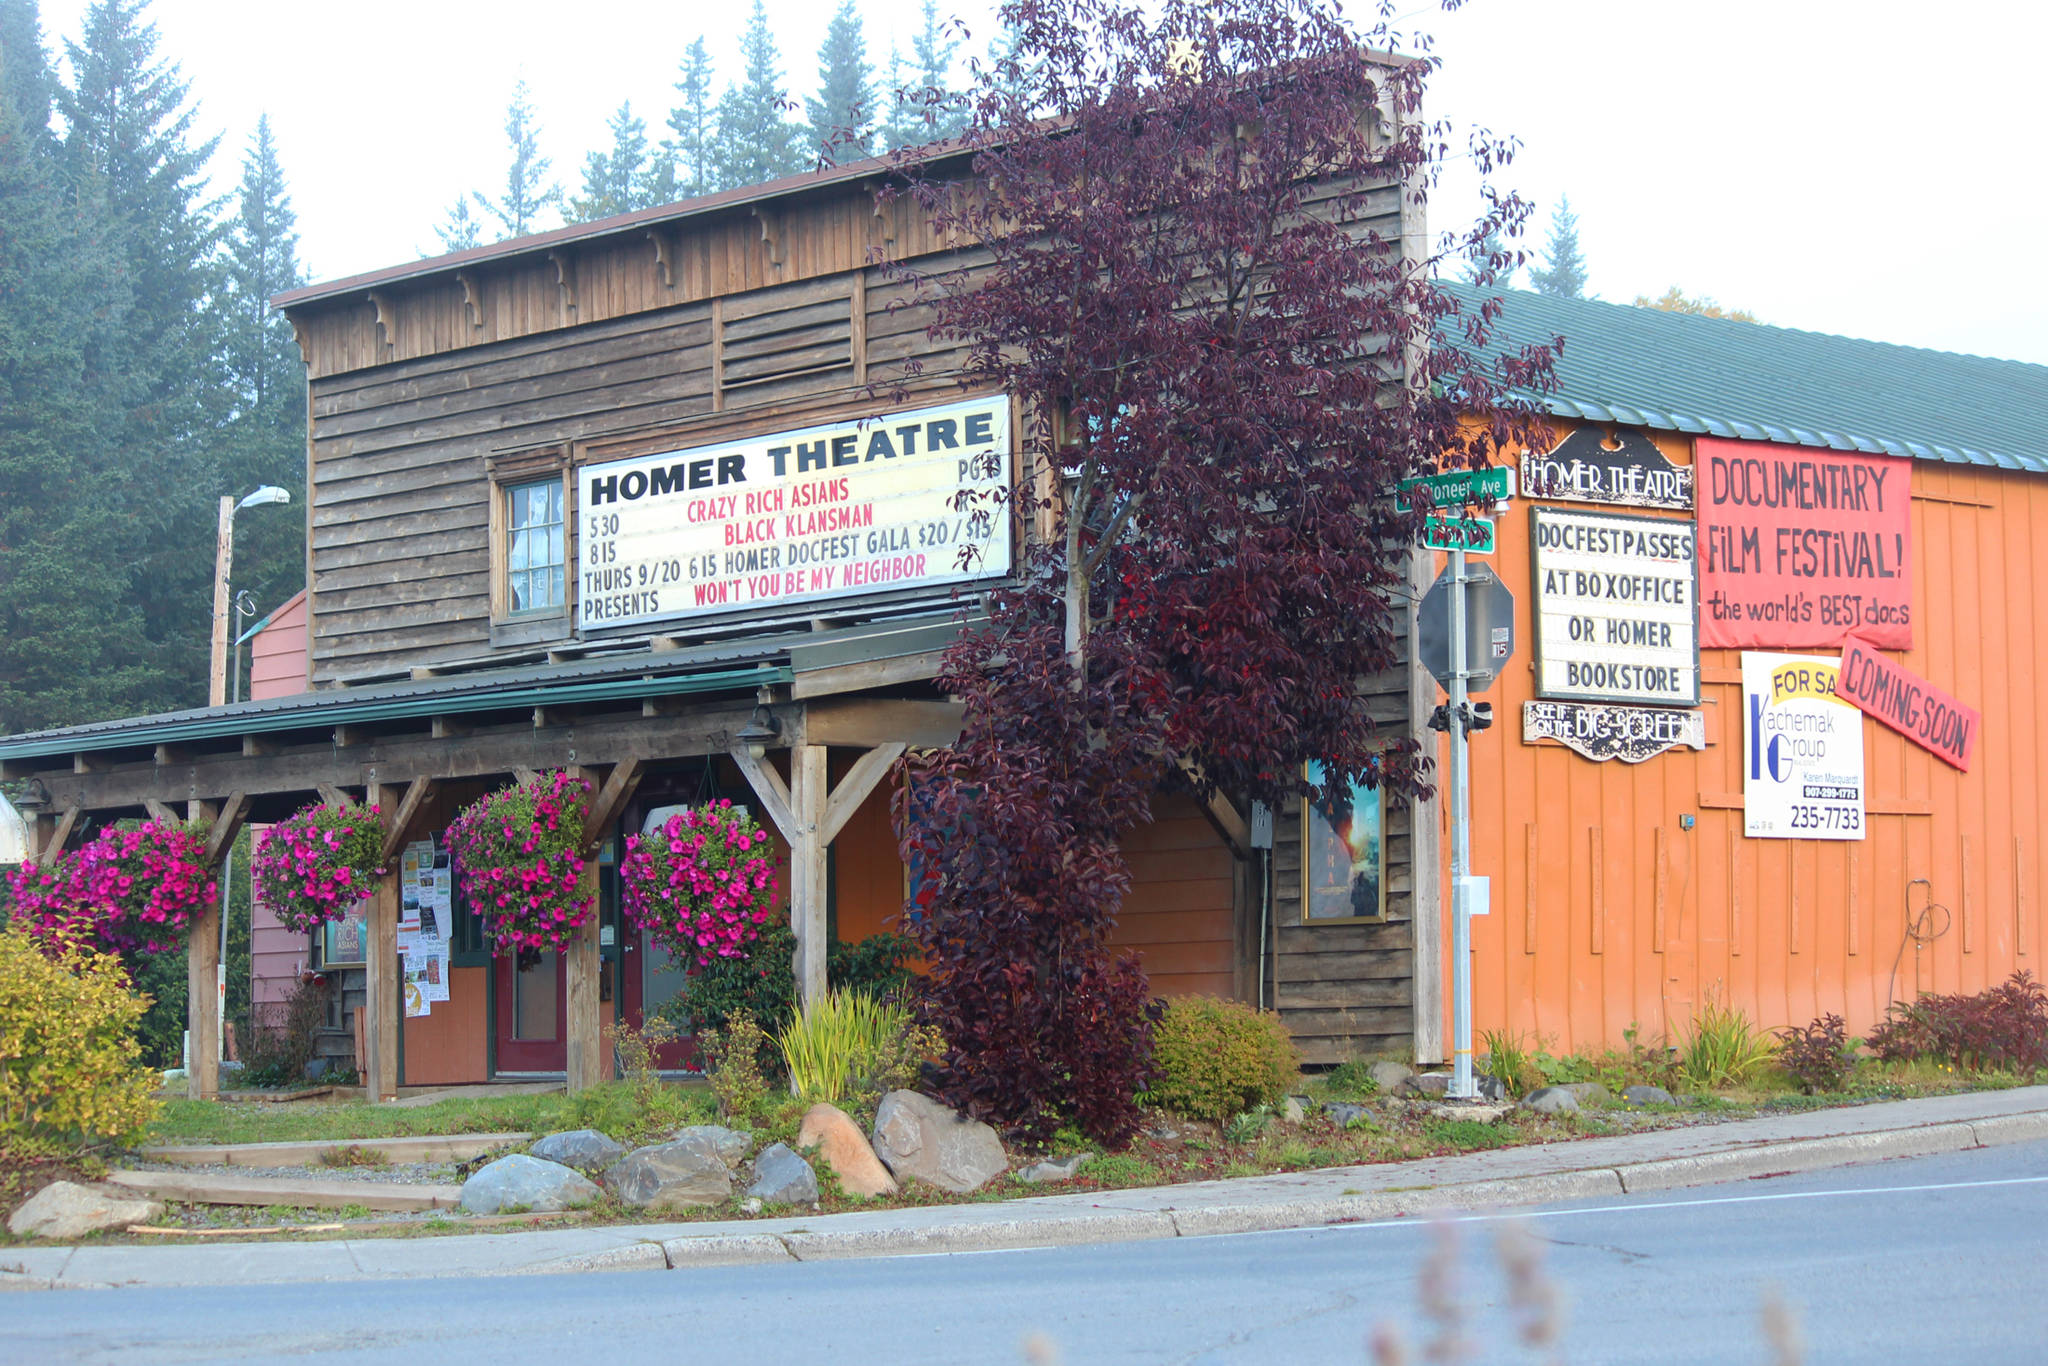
{"x": 134, "y": 888}
{"x": 702, "y": 885}
{"x": 310, "y": 868}
{"x": 520, "y": 853}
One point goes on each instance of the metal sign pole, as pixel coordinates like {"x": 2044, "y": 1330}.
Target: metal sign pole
{"x": 1461, "y": 852}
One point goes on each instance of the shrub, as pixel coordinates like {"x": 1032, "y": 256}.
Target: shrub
{"x": 1722, "y": 1048}
{"x": 283, "y": 1038}
{"x": 732, "y": 1059}
{"x": 70, "y": 1070}
{"x": 520, "y": 850}
{"x": 1511, "y": 1060}
{"x": 1352, "y": 1080}
{"x": 1216, "y": 1058}
{"x": 1818, "y": 1057}
{"x": 2005, "y": 1027}
{"x": 702, "y": 885}
{"x": 312, "y": 866}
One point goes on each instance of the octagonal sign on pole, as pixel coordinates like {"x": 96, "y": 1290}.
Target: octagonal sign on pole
{"x": 1489, "y": 627}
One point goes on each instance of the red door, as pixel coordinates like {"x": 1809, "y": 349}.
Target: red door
{"x": 651, "y": 980}
{"x": 533, "y": 1012}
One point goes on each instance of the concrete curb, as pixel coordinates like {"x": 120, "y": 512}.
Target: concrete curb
{"x": 1250, "y": 1205}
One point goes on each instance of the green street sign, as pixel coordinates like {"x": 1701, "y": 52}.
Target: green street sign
{"x": 1472, "y": 534}
{"x": 1455, "y": 488}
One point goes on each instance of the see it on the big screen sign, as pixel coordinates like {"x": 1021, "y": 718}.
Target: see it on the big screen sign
{"x": 840, "y": 510}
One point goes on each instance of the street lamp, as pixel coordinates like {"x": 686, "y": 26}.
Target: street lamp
{"x": 223, "y": 566}
{"x": 216, "y": 694}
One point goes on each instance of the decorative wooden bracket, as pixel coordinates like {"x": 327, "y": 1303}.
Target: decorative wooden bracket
{"x": 664, "y": 257}
{"x": 1228, "y": 820}
{"x": 226, "y": 826}
{"x": 524, "y": 776}
{"x": 607, "y": 802}
{"x": 160, "y": 812}
{"x": 854, "y": 788}
{"x": 334, "y": 796}
{"x": 565, "y": 284}
{"x": 60, "y": 835}
{"x": 380, "y": 306}
{"x": 398, "y": 823}
{"x": 472, "y": 296}
{"x": 773, "y": 792}
{"x": 771, "y": 234}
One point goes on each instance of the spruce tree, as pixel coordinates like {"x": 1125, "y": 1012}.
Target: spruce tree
{"x": 528, "y": 191}
{"x": 461, "y": 229}
{"x": 755, "y": 141}
{"x": 1563, "y": 271}
{"x": 691, "y": 149}
{"x": 69, "y": 532}
{"x": 932, "y": 50}
{"x": 132, "y": 159}
{"x": 623, "y": 179}
{"x": 1492, "y": 264}
{"x": 264, "y": 442}
{"x": 843, "y": 112}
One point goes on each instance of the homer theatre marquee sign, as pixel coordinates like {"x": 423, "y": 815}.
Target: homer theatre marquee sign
{"x": 842, "y": 510}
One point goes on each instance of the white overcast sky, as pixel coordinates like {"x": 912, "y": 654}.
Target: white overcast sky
{"x": 1863, "y": 167}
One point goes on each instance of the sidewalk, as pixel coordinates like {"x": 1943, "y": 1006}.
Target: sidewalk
{"x": 1538, "y": 1174}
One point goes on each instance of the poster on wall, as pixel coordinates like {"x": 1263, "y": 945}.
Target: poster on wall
{"x": 1343, "y": 853}
{"x": 345, "y": 943}
{"x": 1931, "y": 718}
{"x": 1801, "y": 548}
{"x": 1617, "y": 608}
{"x": 1802, "y": 772}
{"x": 841, "y": 510}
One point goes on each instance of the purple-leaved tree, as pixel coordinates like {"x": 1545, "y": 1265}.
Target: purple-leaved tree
{"x": 1189, "y": 266}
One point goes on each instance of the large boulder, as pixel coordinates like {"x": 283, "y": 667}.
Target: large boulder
{"x": 919, "y": 1137}
{"x": 837, "y": 1139}
{"x": 1425, "y": 1084}
{"x": 65, "y": 1209}
{"x": 528, "y": 1183}
{"x": 686, "y": 1171}
{"x": 1388, "y": 1076}
{"x": 783, "y": 1178}
{"x": 730, "y": 1145}
{"x": 1646, "y": 1095}
{"x": 586, "y": 1150}
{"x": 1551, "y": 1100}
{"x": 1053, "y": 1169}
{"x": 1588, "y": 1092}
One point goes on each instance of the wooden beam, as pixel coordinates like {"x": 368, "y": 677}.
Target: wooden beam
{"x": 397, "y": 759}
{"x": 398, "y": 824}
{"x": 450, "y": 727}
{"x": 772, "y": 791}
{"x": 226, "y": 826}
{"x": 257, "y": 746}
{"x": 1228, "y": 821}
{"x": 869, "y": 673}
{"x": 854, "y": 788}
{"x": 607, "y": 802}
{"x": 865, "y": 722}
{"x": 332, "y": 795}
{"x": 86, "y": 762}
{"x": 159, "y": 812}
{"x": 348, "y": 737}
{"x": 202, "y": 991}
{"x": 523, "y": 775}
{"x": 59, "y": 835}
{"x": 382, "y": 1006}
{"x": 172, "y": 754}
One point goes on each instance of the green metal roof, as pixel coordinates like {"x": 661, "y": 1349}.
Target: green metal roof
{"x": 1643, "y": 367}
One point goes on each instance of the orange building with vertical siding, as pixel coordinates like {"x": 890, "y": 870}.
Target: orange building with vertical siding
{"x": 1627, "y": 890}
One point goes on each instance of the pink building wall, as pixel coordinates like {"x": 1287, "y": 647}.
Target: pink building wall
{"x": 277, "y": 668}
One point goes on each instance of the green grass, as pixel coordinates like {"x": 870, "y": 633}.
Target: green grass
{"x": 202, "y": 1121}
{"x": 1467, "y": 1135}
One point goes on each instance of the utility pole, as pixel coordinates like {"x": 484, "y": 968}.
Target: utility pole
{"x": 1461, "y": 846}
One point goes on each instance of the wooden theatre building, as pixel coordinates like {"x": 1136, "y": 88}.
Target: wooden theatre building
{"x": 621, "y": 498}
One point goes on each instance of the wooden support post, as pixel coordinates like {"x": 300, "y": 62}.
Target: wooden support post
{"x": 586, "y": 1022}
{"x": 383, "y": 1008}
{"x": 808, "y": 798}
{"x": 202, "y": 956}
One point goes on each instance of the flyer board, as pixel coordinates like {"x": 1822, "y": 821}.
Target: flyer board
{"x": 426, "y": 921}
{"x": 840, "y": 510}
{"x": 1802, "y": 774}
{"x": 1617, "y": 608}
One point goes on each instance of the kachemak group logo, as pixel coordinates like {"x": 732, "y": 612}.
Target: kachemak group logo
{"x": 1804, "y": 748}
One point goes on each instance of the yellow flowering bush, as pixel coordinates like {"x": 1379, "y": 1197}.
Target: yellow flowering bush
{"x": 70, "y": 1066}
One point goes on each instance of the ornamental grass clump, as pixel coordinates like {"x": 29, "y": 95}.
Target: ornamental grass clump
{"x": 1722, "y": 1048}
{"x": 701, "y": 886}
{"x": 135, "y": 888}
{"x": 520, "y": 852}
{"x": 311, "y": 867}
{"x": 849, "y": 1045}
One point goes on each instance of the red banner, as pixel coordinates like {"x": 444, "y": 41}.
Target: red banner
{"x": 1909, "y": 704}
{"x": 1800, "y": 548}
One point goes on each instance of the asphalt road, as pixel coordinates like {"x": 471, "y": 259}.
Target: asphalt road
{"x": 1929, "y": 1260}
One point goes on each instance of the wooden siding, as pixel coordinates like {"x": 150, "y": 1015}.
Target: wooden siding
{"x": 1180, "y": 916}
{"x": 278, "y": 652}
{"x": 450, "y": 1045}
{"x": 1608, "y": 914}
